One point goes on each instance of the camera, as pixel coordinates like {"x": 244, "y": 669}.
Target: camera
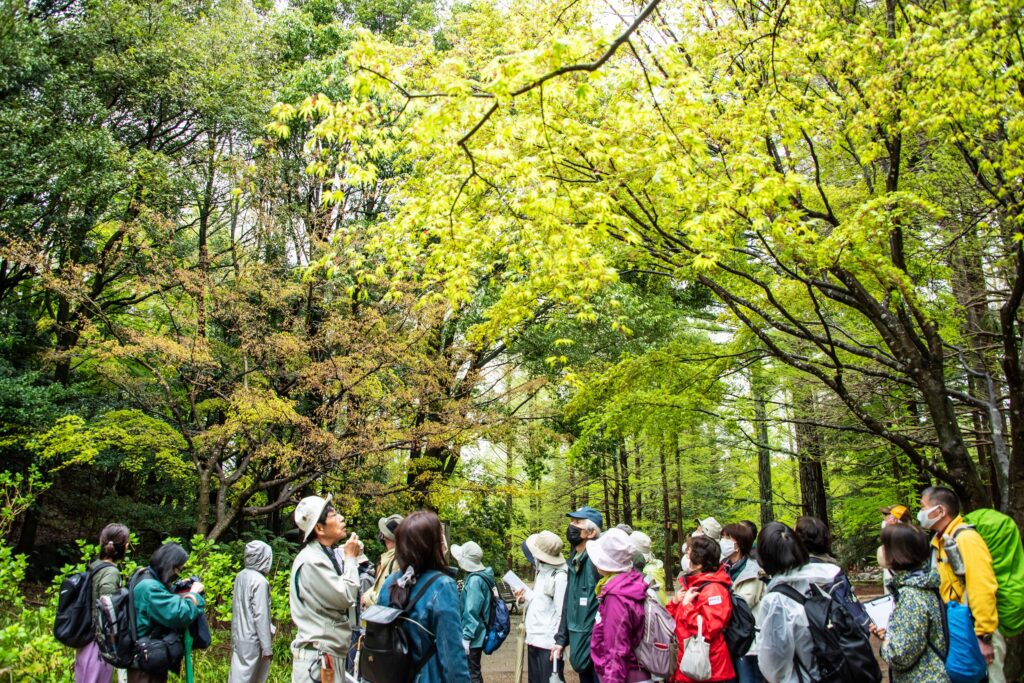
{"x": 184, "y": 585}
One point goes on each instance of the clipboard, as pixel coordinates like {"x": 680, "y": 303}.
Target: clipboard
{"x": 880, "y": 610}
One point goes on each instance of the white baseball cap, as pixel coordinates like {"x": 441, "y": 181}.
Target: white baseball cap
{"x": 307, "y": 513}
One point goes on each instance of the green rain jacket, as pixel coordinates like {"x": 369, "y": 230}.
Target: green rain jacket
{"x": 580, "y": 610}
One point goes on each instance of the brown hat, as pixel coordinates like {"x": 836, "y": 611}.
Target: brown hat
{"x": 897, "y": 511}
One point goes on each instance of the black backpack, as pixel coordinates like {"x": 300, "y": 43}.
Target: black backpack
{"x": 739, "y": 634}
{"x": 116, "y": 630}
{"x": 842, "y": 653}
{"x": 385, "y": 649}
{"x": 73, "y": 624}
{"x": 841, "y": 589}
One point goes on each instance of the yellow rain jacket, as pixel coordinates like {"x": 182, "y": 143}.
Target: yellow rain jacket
{"x": 979, "y": 581}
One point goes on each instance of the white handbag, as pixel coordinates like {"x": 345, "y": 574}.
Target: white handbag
{"x": 696, "y": 662}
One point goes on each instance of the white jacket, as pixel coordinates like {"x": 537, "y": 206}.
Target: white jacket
{"x": 544, "y": 611}
{"x": 784, "y": 632}
{"x": 749, "y": 586}
{"x": 322, "y": 600}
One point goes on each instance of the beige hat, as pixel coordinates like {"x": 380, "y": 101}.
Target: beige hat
{"x": 469, "y": 556}
{"x": 546, "y": 547}
{"x": 642, "y": 543}
{"x": 308, "y": 512}
{"x": 710, "y": 527}
{"x": 612, "y": 552}
{"x": 384, "y": 523}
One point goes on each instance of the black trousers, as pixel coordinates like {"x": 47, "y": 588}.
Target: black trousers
{"x": 540, "y": 667}
{"x": 475, "y": 675}
{"x": 588, "y": 675}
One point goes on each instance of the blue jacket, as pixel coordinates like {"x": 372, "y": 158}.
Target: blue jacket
{"x": 476, "y": 606}
{"x": 438, "y": 610}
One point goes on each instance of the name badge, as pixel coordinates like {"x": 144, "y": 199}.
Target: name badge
{"x": 583, "y": 602}
{"x": 715, "y": 600}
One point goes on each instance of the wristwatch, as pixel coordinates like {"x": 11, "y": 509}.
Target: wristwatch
{"x": 986, "y": 638}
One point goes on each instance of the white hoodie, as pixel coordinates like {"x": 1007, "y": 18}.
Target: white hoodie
{"x": 544, "y": 611}
{"x": 784, "y": 633}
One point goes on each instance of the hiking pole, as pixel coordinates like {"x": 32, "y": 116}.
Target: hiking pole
{"x": 520, "y": 650}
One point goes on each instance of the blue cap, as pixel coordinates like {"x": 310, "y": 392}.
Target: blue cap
{"x": 587, "y": 512}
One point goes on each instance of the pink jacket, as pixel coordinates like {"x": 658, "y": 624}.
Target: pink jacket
{"x": 618, "y": 629}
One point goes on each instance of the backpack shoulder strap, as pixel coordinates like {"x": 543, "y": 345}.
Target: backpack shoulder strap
{"x": 789, "y": 592}
{"x": 413, "y": 597}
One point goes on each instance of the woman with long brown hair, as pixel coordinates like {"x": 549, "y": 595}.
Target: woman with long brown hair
{"x": 423, "y": 587}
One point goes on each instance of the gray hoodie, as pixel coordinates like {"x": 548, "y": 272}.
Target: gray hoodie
{"x": 251, "y": 631}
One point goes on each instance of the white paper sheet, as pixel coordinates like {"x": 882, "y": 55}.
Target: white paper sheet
{"x": 515, "y": 583}
{"x": 880, "y": 610}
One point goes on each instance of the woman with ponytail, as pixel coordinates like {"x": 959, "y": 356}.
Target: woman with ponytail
{"x": 106, "y": 578}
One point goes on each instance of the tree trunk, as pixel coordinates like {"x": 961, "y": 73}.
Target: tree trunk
{"x": 810, "y": 455}
{"x": 665, "y": 513}
{"x": 203, "y": 502}
{"x": 639, "y": 479}
{"x": 604, "y": 485}
{"x": 627, "y": 503}
{"x": 679, "y": 491}
{"x": 764, "y": 454}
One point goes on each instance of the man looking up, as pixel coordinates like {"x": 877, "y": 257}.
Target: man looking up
{"x": 580, "y": 607}
{"x": 965, "y": 566}
{"x": 321, "y": 594}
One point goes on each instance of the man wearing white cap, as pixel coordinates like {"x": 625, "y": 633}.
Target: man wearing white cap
{"x": 322, "y": 594}
{"x": 475, "y": 601}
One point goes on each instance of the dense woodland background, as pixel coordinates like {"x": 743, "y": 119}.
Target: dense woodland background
{"x": 742, "y": 258}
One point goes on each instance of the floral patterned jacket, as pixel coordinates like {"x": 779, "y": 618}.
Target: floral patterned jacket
{"x": 915, "y": 624}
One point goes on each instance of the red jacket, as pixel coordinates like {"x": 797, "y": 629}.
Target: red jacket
{"x": 714, "y": 605}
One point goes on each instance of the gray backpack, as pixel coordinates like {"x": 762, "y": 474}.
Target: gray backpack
{"x": 657, "y": 651}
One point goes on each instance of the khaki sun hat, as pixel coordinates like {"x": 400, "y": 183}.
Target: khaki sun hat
{"x": 546, "y": 546}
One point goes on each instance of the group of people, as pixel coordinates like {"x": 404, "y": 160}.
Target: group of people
{"x": 587, "y": 607}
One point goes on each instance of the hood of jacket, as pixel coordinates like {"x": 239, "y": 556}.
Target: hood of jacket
{"x": 486, "y": 571}
{"x": 258, "y": 556}
{"x": 801, "y": 578}
{"x": 720, "y": 575}
{"x": 629, "y": 584}
{"x": 925, "y": 579}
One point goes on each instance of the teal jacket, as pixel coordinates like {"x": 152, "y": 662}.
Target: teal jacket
{"x": 916, "y": 622}
{"x": 156, "y": 605}
{"x": 580, "y": 610}
{"x": 475, "y": 602}
{"x": 438, "y": 610}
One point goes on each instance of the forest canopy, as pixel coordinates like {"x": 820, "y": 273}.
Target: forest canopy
{"x": 673, "y": 259}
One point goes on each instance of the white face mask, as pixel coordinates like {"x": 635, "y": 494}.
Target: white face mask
{"x": 728, "y": 547}
{"x": 686, "y": 561}
{"x": 923, "y": 517}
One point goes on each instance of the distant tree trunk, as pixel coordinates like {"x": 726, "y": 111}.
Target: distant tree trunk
{"x": 604, "y": 484}
{"x": 572, "y": 488}
{"x": 627, "y": 503}
{"x": 679, "y": 491}
{"x": 810, "y": 456}
{"x": 665, "y": 513}
{"x": 764, "y": 454}
{"x": 615, "y": 514}
{"x": 639, "y": 478}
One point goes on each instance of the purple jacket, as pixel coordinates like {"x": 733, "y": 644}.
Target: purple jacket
{"x": 618, "y": 629}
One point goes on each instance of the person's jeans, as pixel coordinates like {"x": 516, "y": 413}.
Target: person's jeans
{"x": 540, "y": 667}
{"x": 746, "y": 669}
{"x": 475, "y": 674}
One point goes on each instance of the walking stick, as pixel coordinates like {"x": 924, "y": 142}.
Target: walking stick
{"x": 520, "y": 651}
